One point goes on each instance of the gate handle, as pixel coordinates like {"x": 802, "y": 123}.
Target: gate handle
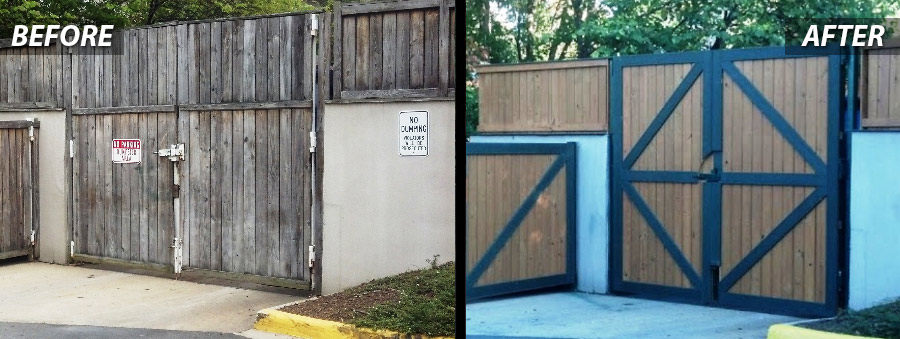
{"x": 712, "y": 176}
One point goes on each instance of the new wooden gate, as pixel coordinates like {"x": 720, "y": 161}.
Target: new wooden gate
{"x": 18, "y": 187}
{"x": 725, "y": 170}
{"x": 520, "y": 217}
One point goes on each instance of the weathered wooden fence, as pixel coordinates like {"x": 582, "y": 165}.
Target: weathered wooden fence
{"x": 880, "y": 87}
{"x": 18, "y": 187}
{"x": 237, "y": 94}
{"x": 394, "y": 49}
{"x": 569, "y": 96}
{"x": 29, "y": 77}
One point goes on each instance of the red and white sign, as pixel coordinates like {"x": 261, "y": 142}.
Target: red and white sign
{"x": 126, "y": 151}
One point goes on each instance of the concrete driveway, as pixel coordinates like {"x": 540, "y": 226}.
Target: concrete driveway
{"x": 33, "y": 292}
{"x": 581, "y": 315}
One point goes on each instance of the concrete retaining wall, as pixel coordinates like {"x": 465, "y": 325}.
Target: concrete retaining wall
{"x": 385, "y": 214}
{"x": 592, "y": 209}
{"x": 874, "y": 271}
{"x": 53, "y": 232}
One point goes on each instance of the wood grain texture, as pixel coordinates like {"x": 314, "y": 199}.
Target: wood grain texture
{"x": 495, "y": 186}
{"x": 16, "y": 191}
{"x": 261, "y": 232}
{"x": 556, "y": 98}
{"x": 880, "y": 88}
{"x": 406, "y": 45}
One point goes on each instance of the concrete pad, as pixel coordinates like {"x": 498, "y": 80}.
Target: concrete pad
{"x": 68, "y": 295}
{"x": 581, "y": 315}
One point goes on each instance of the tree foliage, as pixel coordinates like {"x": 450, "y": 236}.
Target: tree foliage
{"x": 129, "y": 13}
{"x": 565, "y": 29}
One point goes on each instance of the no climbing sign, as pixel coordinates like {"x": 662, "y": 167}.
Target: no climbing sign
{"x": 413, "y": 133}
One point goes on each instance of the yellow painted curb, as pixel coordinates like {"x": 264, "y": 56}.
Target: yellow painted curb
{"x": 275, "y": 321}
{"x": 783, "y": 331}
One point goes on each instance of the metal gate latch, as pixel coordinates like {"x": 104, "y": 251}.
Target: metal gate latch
{"x": 174, "y": 153}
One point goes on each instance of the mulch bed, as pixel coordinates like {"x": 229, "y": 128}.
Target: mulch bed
{"x": 344, "y": 306}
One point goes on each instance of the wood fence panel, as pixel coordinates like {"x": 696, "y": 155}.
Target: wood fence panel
{"x": 248, "y": 200}
{"x": 30, "y": 75}
{"x": 567, "y": 96}
{"x": 880, "y": 87}
{"x": 388, "y": 49}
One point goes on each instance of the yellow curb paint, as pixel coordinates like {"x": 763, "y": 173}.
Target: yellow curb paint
{"x": 783, "y": 331}
{"x": 275, "y": 321}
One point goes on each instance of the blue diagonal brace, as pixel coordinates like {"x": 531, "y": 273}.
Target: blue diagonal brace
{"x": 769, "y": 111}
{"x": 513, "y": 224}
{"x": 663, "y": 115}
{"x": 662, "y": 234}
{"x": 769, "y": 242}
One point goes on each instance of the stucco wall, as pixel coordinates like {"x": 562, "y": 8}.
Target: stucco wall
{"x": 53, "y": 228}
{"x": 385, "y": 214}
{"x": 592, "y": 208}
{"x": 874, "y": 273}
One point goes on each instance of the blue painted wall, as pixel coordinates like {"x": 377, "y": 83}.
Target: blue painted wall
{"x": 874, "y": 272}
{"x": 592, "y": 203}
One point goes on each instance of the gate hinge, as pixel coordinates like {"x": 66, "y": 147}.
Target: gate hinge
{"x": 312, "y": 142}
{"x": 312, "y": 256}
{"x": 72, "y": 148}
{"x": 32, "y": 237}
{"x": 31, "y": 133}
{"x": 72, "y": 248}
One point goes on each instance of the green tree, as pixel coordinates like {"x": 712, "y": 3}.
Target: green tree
{"x": 563, "y": 29}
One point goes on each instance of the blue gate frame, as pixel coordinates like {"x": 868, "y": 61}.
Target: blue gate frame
{"x": 565, "y": 160}
{"x": 712, "y": 65}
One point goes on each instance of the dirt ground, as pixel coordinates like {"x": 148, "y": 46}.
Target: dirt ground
{"x": 344, "y": 306}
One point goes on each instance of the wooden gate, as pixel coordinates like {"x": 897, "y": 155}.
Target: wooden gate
{"x": 246, "y": 196}
{"x": 725, "y": 170}
{"x": 237, "y": 96}
{"x": 18, "y": 187}
{"x": 520, "y": 217}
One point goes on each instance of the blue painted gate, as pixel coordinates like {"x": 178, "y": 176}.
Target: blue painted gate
{"x": 520, "y": 217}
{"x": 725, "y": 179}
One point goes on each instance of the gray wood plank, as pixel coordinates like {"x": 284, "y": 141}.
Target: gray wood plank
{"x": 261, "y": 190}
{"x": 337, "y": 55}
{"x": 237, "y": 204}
{"x": 262, "y": 60}
{"x": 349, "y": 55}
{"x": 203, "y": 63}
{"x": 249, "y": 193}
{"x": 432, "y": 41}
{"x": 273, "y": 193}
{"x": 387, "y": 6}
{"x": 389, "y": 49}
{"x": 362, "y": 53}
{"x": 225, "y": 151}
{"x": 376, "y": 45}
{"x": 417, "y": 49}
{"x": 287, "y": 221}
{"x": 215, "y": 62}
{"x": 273, "y": 59}
{"x": 248, "y": 87}
{"x": 228, "y": 35}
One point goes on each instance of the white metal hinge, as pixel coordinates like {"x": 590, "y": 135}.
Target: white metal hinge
{"x": 315, "y": 24}
{"x": 72, "y": 148}
{"x": 312, "y": 255}
{"x": 312, "y": 142}
{"x": 72, "y": 248}
{"x": 32, "y": 237}
{"x": 31, "y": 133}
